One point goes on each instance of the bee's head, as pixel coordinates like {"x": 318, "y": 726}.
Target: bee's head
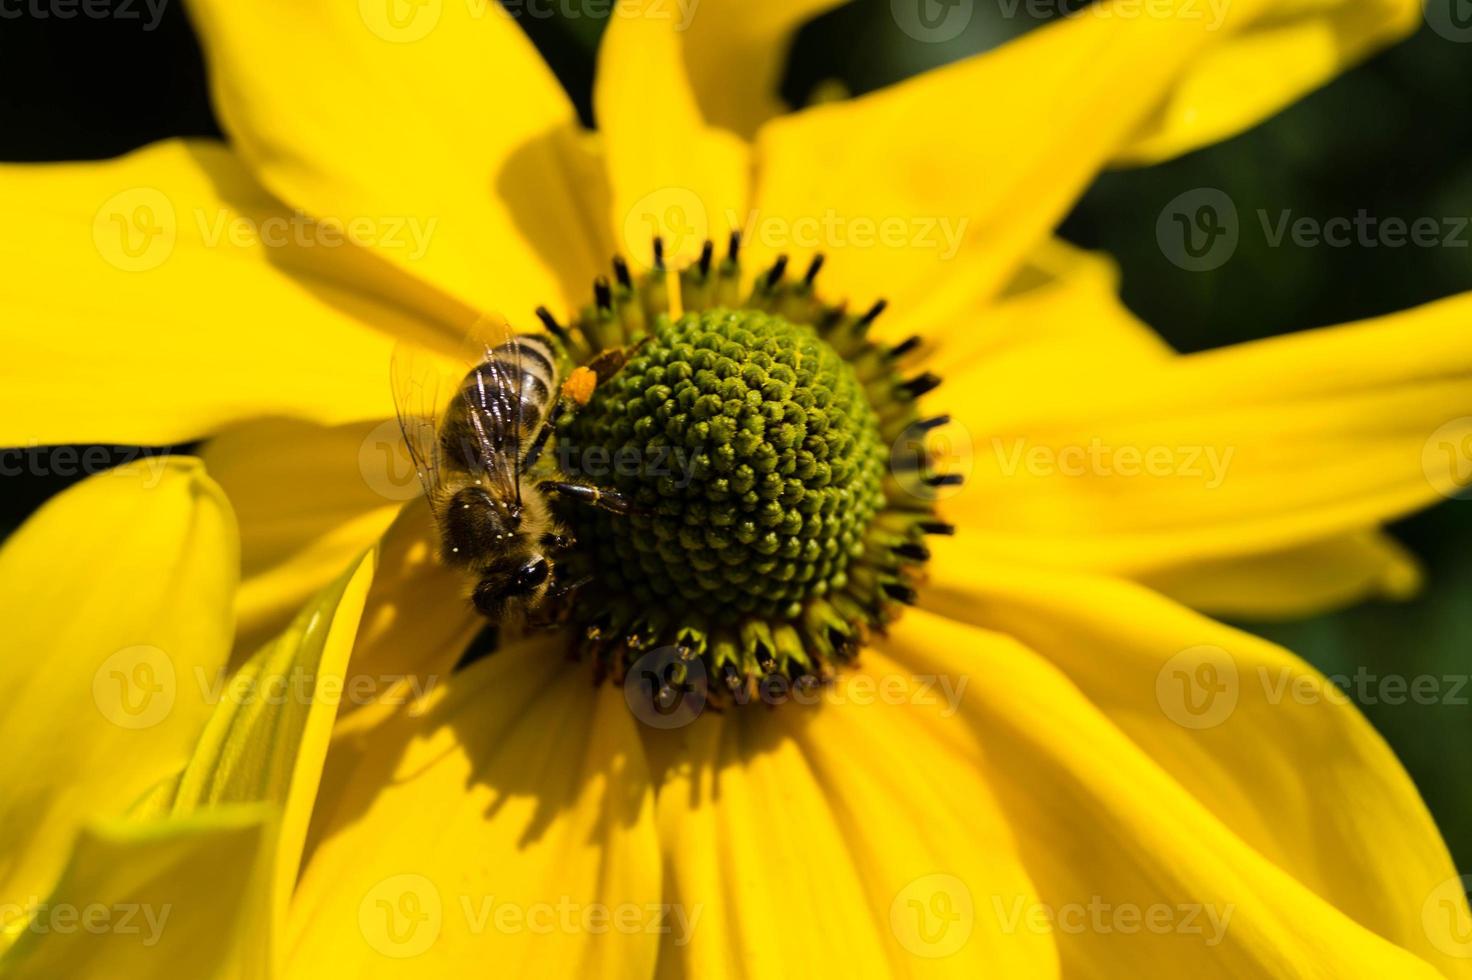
{"x": 510, "y": 584}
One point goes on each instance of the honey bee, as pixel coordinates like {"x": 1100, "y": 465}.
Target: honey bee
{"x": 474, "y": 450}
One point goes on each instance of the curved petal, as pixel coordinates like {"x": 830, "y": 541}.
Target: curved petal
{"x": 418, "y": 621}
{"x": 1258, "y": 448}
{"x": 435, "y": 117}
{"x": 1215, "y": 749}
{"x": 1059, "y": 327}
{"x": 148, "y": 899}
{"x": 860, "y": 813}
{"x": 1296, "y": 582}
{"x": 309, "y": 499}
{"x": 669, "y": 173}
{"x": 1058, "y": 324}
{"x": 1135, "y": 874}
{"x": 735, "y": 51}
{"x": 1256, "y": 71}
{"x": 910, "y": 185}
{"x": 151, "y": 299}
{"x": 511, "y": 823}
{"x": 107, "y": 647}
{"x": 268, "y": 736}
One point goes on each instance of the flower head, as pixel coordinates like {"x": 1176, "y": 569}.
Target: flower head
{"x": 1049, "y": 728}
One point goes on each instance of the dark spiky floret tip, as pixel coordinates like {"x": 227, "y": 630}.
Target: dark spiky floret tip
{"x": 921, "y": 384}
{"x": 602, "y": 293}
{"x": 900, "y": 592}
{"x": 550, "y": 322}
{"x": 814, "y": 267}
{"x": 733, "y": 246}
{"x": 777, "y": 271}
{"x": 707, "y": 252}
{"x": 621, "y": 272}
{"x": 912, "y": 550}
{"x": 873, "y": 312}
{"x": 906, "y": 346}
{"x": 658, "y": 252}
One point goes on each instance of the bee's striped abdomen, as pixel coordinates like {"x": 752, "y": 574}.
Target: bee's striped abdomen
{"x": 514, "y": 385}
{"x": 529, "y": 359}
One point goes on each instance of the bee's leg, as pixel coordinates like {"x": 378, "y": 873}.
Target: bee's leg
{"x": 572, "y": 586}
{"x": 585, "y": 493}
{"x": 557, "y": 541}
{"x": 534, "y": 451}
{"x": 611, "y": 361}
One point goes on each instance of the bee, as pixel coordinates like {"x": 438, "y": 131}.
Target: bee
{"x": 474, "y": 451}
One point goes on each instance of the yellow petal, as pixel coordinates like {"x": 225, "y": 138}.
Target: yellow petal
{"x": 107, "y": 645}
{"x": 146, "y": 899}
{"x": 1058, "y": 324}
{"x": 1219, "y": 769}
{"x": 735, "y": 52}
{"x": 437, "y": 116}
{"x": 670, "y": 174}
{"x": 310, "y": 499}
{"x": 1297, "y": 582}
{"x": 1236, "y": 452}
{"x": 267, "y": 738}
{"x": 151, "y": 299}
{"x": 847, "y": 838}
{"x": 512, "y": 823}
{"x": 967, "y": 167}
{"x": 417, "y": 621}
{"x": 1270, "y": 62}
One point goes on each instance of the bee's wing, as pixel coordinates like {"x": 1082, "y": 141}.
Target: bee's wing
{"x": 422, "y": 384}
{"x": 484, "y": 376}
{"x": 492, "y": 390}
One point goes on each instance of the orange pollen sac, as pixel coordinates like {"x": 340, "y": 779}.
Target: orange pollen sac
{"x": 579, "y": 385}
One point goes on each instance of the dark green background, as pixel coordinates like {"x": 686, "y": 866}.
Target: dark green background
{"x": 1391, "y": 137}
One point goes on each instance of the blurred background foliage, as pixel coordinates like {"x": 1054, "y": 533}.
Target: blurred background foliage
{"x": 1391, "y": 137}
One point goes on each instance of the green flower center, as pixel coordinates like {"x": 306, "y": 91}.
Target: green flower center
{"x": 771, "y": 463}
{"x": 751, "y": 446}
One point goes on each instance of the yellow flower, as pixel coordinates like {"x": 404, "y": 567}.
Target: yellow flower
{"x": 1055, "y": 763}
